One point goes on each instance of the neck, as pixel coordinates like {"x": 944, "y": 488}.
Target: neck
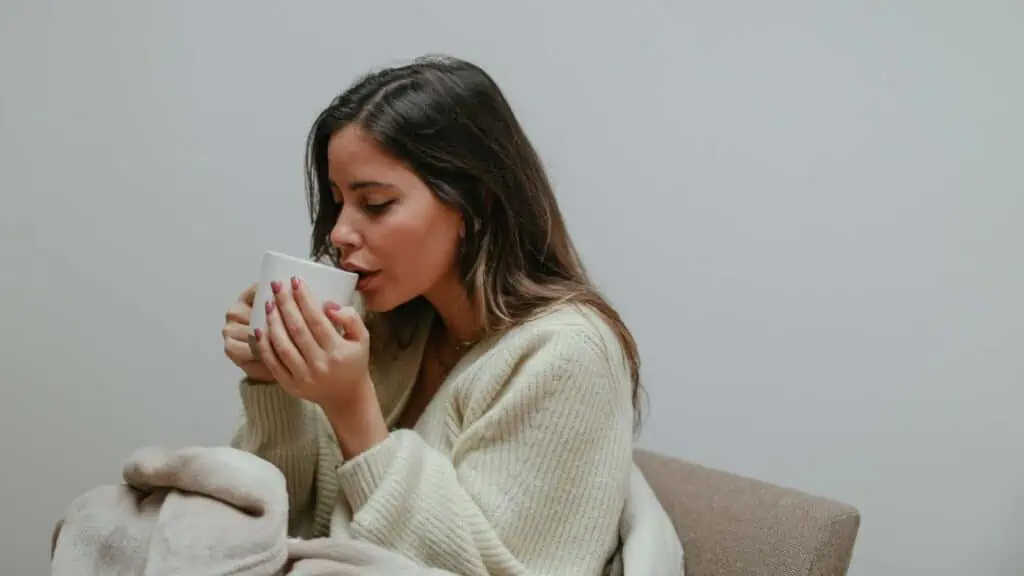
{"x": 456, "y": 310}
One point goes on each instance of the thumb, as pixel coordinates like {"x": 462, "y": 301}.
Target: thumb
{"x": 347, "y": 321}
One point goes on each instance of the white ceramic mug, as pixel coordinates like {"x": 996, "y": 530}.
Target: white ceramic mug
{"x": 324, "y": 282}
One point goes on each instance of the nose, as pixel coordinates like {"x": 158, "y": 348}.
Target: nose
{"x": 344, "y": 235}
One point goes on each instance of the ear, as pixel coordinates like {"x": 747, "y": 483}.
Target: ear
{"x": 462, "y": 216}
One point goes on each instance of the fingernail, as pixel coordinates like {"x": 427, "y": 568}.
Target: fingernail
{"x": 270, "y": 306}
{"x": 258, "y": 334}
{"x": 295, "y": 282}
{"x": 332, "y": 306}
{"x": 275, "y": 286}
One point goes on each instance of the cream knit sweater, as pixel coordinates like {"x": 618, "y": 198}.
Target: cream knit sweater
{"x": 519, "y": 465}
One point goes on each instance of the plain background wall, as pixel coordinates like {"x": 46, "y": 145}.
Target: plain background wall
{"x": 810, "y": 213}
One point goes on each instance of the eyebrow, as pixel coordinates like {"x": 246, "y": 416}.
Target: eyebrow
{"x": 364, "y": 184}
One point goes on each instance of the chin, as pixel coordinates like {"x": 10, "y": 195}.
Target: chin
{"x": 377, "y": 302}
{"x": 381, "y": 301}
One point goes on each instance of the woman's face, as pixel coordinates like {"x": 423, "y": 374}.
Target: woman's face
{"x": 392, "y": 229}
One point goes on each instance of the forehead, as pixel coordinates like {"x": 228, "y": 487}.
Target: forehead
{"x": 353, "y": 155}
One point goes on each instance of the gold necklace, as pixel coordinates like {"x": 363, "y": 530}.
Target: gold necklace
{"x": 436, "y": 342}
{"x": 458, "y": 349}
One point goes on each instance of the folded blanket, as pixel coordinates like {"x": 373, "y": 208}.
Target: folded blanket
{"x": 218, "y": 510}
{"x": 185, "y": 511}
{"x": 334, "y": 557}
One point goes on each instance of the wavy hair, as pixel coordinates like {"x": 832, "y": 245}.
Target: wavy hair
{"x": 448, "y": 121}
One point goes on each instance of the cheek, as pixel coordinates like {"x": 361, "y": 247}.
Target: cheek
{"x": 419, "y": 255}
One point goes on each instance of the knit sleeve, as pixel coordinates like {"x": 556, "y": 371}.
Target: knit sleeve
{"x": 282, "y": 430}
{"x": 535, "y": 485}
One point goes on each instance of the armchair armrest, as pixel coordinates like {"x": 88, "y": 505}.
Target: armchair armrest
{"x": 732, "y": 526}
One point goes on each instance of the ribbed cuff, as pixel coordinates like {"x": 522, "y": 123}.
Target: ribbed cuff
{"x": 360, "y": 476}
{"x": 272, "y": 414}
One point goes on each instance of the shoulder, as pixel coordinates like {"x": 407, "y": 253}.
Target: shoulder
{"x": 569, "y": 332}
{"x": 569, "y": 352}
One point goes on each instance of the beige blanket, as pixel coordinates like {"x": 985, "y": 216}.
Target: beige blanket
{"x": 219, "y": 511}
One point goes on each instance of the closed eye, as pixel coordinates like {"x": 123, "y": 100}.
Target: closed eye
{"x": 379, "y": 208}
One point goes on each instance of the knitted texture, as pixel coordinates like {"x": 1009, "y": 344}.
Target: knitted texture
{"x": 519, "y": 465}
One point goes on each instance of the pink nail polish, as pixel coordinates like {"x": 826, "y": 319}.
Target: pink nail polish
{"x": 270, "y": 306}
{"x": 258, "y": 334}
{"x": 275, "y": 286}
{"x": 332, "y": 306}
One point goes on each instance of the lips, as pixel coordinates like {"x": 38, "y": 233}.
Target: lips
{"x": 365, "y": 280}
{"x": 366, "y": 276}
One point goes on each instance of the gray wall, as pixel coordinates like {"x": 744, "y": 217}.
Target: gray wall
{"x": 810, "y": 213}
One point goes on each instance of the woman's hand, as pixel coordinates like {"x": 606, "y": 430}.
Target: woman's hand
{"x": 322, "y": 354}
{"x": 236, "y": 338}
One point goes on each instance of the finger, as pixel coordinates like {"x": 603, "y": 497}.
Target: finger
{"x": 277, "y": 368}
{"x": 249, "y": 296}
{"x": 347, "y": 321}
{"x": 239, "y": 351}
{"x": 282, "y": 345}
{"x": 254, "y": 345}
{"x": 319, "y": 325}
{"x": 240, "y": 313}
{"x": 295, "y": 324}
{"x": 235, "y": 331}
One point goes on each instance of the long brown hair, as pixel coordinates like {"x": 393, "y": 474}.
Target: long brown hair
{"x": 450, "y": 123}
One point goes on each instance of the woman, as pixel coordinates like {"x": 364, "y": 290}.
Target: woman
{"x": 479, "y": 417}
